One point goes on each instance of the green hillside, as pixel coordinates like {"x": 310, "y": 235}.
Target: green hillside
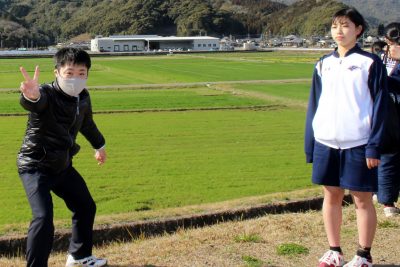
{"x": 45, "y": 22}
{"x": 375, "y": 11}
{"x": 48, "y": 21}
{"x": 307, "y": 17}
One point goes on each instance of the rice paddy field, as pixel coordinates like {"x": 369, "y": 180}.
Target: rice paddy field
{"x": 181, "y": 130}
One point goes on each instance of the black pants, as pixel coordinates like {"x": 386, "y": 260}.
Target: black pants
{"x": 70, "y": 186}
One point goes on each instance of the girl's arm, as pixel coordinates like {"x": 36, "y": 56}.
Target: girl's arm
{"x": 315, "y": 93}
{"x": 377, "y": 82}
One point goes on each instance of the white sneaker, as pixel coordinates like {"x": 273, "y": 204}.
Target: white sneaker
{"x": 391, "y": 211}
{"x": 331, "y": 259}
{"x": 375, "y": 198}
{"x": 90, "y": 261}
{"x": 358, "y": 261}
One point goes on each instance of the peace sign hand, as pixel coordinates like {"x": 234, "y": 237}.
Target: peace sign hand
{"x": 30, "y": 87}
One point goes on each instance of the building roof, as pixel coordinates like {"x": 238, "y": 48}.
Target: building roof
{"x": 156, "y": 38}
{"x": 175, "y": 38}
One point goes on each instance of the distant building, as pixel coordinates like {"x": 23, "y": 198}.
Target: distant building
{"x": 292, "y": 40}
{"x": 326, "y": 43}
{"x": 80, "y": 45}
{"x": 274, "y": 42}
{"x": 226, "y": 44}
{"x": 137, "y": 43}
{"x": 249, "y": 46}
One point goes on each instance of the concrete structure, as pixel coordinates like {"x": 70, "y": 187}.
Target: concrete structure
{"x": 133, "y": 43}
{"x": 248, "y": 46}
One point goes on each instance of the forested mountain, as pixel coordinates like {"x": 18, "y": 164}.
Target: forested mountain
{"x": 375, "y": 11}
{"x": 48, "y": 21}
{"x": 44, "y": 22}
{"x": 307, "y": 17}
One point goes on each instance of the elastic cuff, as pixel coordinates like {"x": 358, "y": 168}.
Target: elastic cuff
{"x": 372, "y": 153}
{"x": 103, "y": 147}
{"x": 30, "y": 100}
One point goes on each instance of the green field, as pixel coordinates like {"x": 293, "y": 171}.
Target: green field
{"x": 172, "y": 69}
{"x": 294, "y": 91}
{"x": 157, "y": 99}
{"x": 166, "y": 159}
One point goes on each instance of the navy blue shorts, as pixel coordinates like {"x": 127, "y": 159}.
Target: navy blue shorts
{"x": 345, "y": 168}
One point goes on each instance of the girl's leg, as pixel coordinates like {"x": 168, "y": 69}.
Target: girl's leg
{"x": 366, "y": 217}
{"x": 332, "y": 213}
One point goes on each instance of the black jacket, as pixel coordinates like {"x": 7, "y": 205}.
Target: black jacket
{"x": 393, "y": 128}
{"x": 53, "y": 124}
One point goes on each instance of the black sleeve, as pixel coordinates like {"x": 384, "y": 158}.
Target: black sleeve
{"x": 90, "y": 130}
{"x": 394, "y": 80}
{"x": 315, "y": 94}
{"x": 35, "y": 106}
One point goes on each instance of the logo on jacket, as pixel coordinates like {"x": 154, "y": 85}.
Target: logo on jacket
{"x": 354, "y": 68}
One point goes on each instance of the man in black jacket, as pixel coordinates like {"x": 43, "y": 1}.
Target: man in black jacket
{"x": 57, "y": 112}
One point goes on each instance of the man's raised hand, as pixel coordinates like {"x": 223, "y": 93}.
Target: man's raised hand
{"x": 30, "y": 87}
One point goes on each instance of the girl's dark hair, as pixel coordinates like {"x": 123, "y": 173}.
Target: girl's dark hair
{"x": 353, "y": 15}
{"x": 74, "y": 56}
{"x": 392, "y": 32}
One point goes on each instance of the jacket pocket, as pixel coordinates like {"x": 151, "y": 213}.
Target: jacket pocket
{"x": 55, "y": 160}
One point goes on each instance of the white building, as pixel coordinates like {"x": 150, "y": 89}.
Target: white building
{"x": 133, "y": 43}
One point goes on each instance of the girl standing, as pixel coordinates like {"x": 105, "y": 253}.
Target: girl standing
{"x": 344, "y": 131}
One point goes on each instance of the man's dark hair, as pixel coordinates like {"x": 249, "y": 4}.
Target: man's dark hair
{"x": 73, "y": 56}
{"x": 392, "y": 32}
{"x": 353, "y": 15}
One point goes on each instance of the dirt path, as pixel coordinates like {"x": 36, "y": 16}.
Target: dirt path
{"x": 194, "y": 84}
{"x": 283, "y": 100}
{"x": 180, "y": 85}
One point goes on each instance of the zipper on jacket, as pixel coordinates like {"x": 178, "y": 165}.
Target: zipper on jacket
{"x": 77, "y": 107}
{"x": 73, "y": 122}
{"x": 337, "y": 105}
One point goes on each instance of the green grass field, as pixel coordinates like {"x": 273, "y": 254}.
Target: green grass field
{"x": 169, "y": 159}
{"x": 125, "y": 100}
{"x": 293, "y": 91}
{"x": 173, "y": 69}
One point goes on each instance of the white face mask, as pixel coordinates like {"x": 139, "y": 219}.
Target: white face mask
{"x": 71, "y": 86}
